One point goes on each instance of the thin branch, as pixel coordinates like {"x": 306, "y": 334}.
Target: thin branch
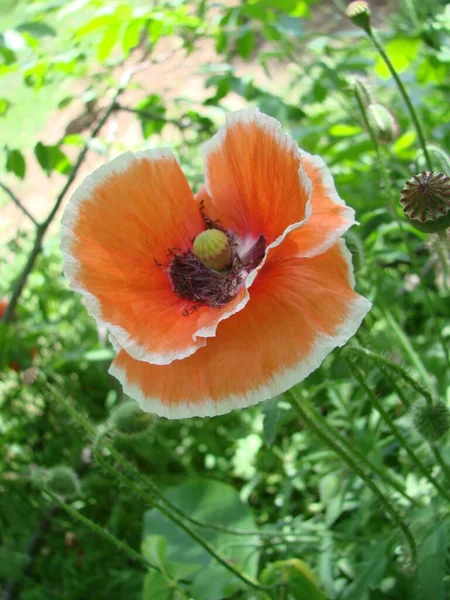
{"x": 42, "y": 228}
{"x": 151, "y": 116}
{"x": 18, "y": 203}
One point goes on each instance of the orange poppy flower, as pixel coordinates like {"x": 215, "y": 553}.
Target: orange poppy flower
{"x": 204, "y": 325}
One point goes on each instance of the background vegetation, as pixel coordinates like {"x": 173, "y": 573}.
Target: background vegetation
{"x": 64, "y": 109}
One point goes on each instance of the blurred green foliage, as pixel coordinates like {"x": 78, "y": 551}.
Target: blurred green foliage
{"x": 257, "y": 468}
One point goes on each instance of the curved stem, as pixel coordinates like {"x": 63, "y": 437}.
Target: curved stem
{"x": 73, "y": 512}
{"x": 381, "y": 360}
{"x": 418, "y": 127}
{"x": 329, "y": 440}
{"x": 390, "y": 198}
{"x": 179, "y": 521}
{"x": 18, "y": 203}
{"x": 382, "y": 473}
{"x": 359, "y": 376}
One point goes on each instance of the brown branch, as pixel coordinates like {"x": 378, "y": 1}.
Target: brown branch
{"x": 42, "y": 228}
{"x": 151, "y": 116}
{"x": 18, "y": 203}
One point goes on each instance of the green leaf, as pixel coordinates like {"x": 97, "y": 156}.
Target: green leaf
{"x": 154, "y": 548}
{"x": 37, "y": 29}
{"x": 298, "y": 577}
{"x": 370, "y": 572}
{"x": 218, "y": 504}
{"x": 245, "y": 43}
{"x": 4, "y": 106}
{"x": 401, "y": 52}
{"x": 15, "y": 163}
{"x": 151, "y": 106}
{"x": 156, "y": 587}
{"x": 429, "y": 581}
{"x": 108, "y": 42}
{"x": 52, "y": 158}
{"x": 270, "y": 411}
{"x": 339, "y": 130}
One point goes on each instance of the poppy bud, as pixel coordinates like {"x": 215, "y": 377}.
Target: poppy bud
{"x": 213, "y": 248}
{"x": 61, "y": 480}
{"x": 432, "y": 422}
{"x": 129, "y": 420}
{"x": 382, "y": 122}
{"x": 425, "y": 199}
{"x": 359, "y": 13}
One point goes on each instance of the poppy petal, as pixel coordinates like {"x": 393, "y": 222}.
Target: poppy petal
{"x": 254, "y": 178}
{"x": 118, "y": 230}
{"x": 300, "y": 310}
{"x": 330, "y": 217}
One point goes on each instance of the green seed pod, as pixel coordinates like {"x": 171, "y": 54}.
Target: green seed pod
{"x": 359, "y": 12}
{"x": 426, "y": 201}
{"x": 439, "y": 159}
{"x": 382, "y": 122}
{"x": 432, "y": 422}
{"x": 130, "y": 421}
{"x": 62, "y": 480}
{"x": 213, "y": 248}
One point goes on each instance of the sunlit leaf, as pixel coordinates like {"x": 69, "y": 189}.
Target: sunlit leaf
{"x": 15, "y": 163}
{"x": 51, "y": 158}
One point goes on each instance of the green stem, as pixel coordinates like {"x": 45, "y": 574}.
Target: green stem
{"x": 351, "y": 449}
{"x": 174, "y": 518}
{"x": 166, "y": 511}
{"x": 329, "y": 440}
{"x": 359, "y": 376}
{"x": 418, "y": 127}
{"x": 381, "y": 361}
{"x": 390, "y": 198}
{"x": 73, "y": 512}
{"x": 407, "y": 346}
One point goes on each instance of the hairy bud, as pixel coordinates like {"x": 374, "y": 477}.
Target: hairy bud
{"x": 432, "y": 422}
{"x": 382, "y": 122}
{"x": 129, "y": 420}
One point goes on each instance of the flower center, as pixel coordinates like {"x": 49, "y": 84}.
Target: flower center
{"x": 213, "y": 248}
{"x": 211, "y": 273}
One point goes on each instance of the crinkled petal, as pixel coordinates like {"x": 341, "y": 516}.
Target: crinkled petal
{"x": 330, "y": 217}
{"x": 300, "y": 310}
{"x": 254, "y": 178}
{"x": 118, "y": 229}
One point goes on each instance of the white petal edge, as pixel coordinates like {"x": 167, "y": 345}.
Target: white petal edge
{"x": 348, "y": 213}
{"x": 283, "y": 139}
{"x": 71, "y": 265}
{"x": 281, "y": 383}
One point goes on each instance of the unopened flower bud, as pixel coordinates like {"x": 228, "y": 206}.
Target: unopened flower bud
{"x": 213, "y": 248}
{"x": 364, "y": 92}
{"x": 432, "y": 422}
{"x": 62, "y": 480}
{"x": 382, "y": 122}
{"x": 359, "y": 12}
{"x": 426, "y": 201}
{"x": 129, "y": 420}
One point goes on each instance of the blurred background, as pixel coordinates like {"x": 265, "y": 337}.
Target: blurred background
{"x": 61, "y": 66}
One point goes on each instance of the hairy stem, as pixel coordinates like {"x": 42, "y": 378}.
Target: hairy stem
{"x": 76, "y": 514}
{"x": 329, "y": 439}
{"x": 418, "y": 127}
{"x": 359, "y": 376}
